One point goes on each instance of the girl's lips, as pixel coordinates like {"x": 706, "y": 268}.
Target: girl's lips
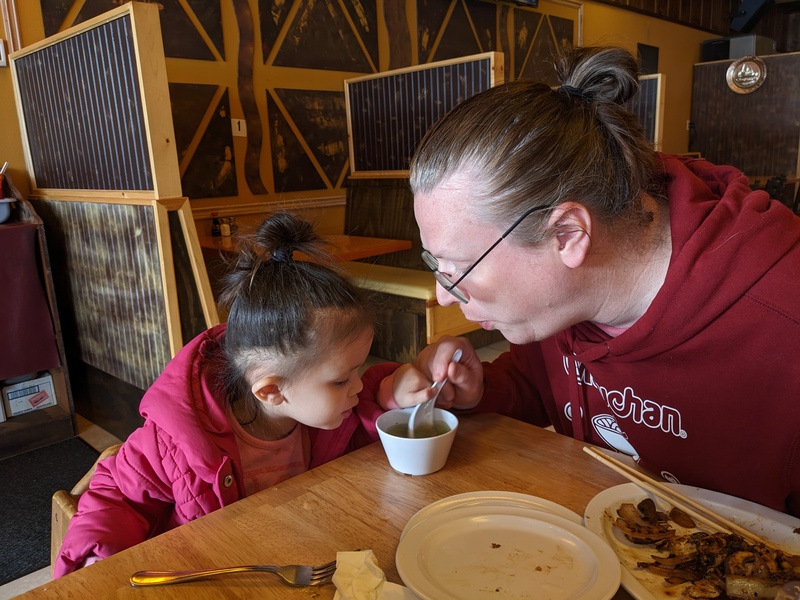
{"x": 486, "y": 325}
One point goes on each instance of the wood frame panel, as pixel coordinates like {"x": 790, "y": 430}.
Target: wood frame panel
{"x": 79, "y": 121}
{"x": 389, "y": 112}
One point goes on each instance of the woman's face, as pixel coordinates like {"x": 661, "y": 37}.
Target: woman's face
{"x": 524, "y": 292}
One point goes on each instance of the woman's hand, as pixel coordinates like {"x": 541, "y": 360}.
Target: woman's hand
{"x": 464, "y": 387}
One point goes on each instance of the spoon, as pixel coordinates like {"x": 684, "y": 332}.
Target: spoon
{"x": 422, "y": 417}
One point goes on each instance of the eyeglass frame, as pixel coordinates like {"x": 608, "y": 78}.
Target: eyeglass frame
{"x": 433, "y": 263}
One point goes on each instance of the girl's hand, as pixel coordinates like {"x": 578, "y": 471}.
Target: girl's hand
{"x": 410, "y": 386}
{"x": 464, "y": 387}
{"x": 407, "y": 386}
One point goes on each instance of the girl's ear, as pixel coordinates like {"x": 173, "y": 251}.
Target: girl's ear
{"x": 267, "y": 389}
{"x": 573, "y": 227}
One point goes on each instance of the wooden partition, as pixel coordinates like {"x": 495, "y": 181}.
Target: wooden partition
{"x": 389, "y": 112}
{"x": 100, "y": 148}
{"x": 757, "y": 132}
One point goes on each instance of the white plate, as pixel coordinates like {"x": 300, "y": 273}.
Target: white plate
{"x": 486, "y": 499}
{"x": 772, "y": 525}
{"x": 506, "y": 552}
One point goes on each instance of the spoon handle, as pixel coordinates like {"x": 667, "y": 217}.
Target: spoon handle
{"x": 424, "y": 411}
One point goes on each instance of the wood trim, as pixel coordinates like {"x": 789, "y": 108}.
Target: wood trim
{"x": 262, "y": 208}
{"x": 152, "y": 67}
{"x": 168, "y": 282}
{"x": 198, "y": 264}
{"x": 11, "y": 24}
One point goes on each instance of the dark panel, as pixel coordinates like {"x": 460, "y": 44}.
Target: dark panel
{"x": 320, "y": 37}
{"x": 756, "y": 132}
{"x": 384, "y": 208}
{"x": 563, "y": 32}
{"x": 193, "y": 321}
{"x": 292, "y": 170}
{"x": 648, "y": 58}
{"x": 390, "y": 114}
{"x": 271, "y": 17}
{"x": 430, "y": 19}
{"x": 212, "y": 170}
{"x": 484, "y": 19}
{"x": 83, "y": 112}
{"x": 321, "y": 118}
{"x": 645, "y": 105}
{"x": 53, "y": 14}
{"x": 364, "y": 16}
{"x": 209, "y": 15}
{"x": 538, "y": 65}
{"x": 189, "y": 103}
{"x": 105, "y": 400}
{"x": 458, "y": 38}
{"x": 114, "y": 294}
{"x": 526, "y": 24}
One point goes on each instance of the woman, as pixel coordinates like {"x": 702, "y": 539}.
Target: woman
{"x": 651, "y": 300}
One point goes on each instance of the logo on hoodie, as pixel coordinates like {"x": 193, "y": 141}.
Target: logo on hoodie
{"x": 625, "y": 405}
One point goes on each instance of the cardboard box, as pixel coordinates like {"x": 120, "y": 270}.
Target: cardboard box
{"x": 28, "y": 396}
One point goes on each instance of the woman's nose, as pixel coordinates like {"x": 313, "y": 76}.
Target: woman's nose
{"x": 443, "y": 297}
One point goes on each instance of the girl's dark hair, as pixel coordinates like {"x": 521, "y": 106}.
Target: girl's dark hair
{"x": 523, "y": 144}
{"x": 286, "y": 312}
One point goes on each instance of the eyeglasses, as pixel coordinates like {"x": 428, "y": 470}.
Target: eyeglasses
{"x": 451, "y": 286}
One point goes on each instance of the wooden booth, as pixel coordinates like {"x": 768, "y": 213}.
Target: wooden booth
{"x": 131, "y": 283}
{"x": 746, "y": 113}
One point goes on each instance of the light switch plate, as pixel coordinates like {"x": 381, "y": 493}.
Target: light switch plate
{"x": 3, "y": 54}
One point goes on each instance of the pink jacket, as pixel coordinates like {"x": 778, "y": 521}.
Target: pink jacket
{"x": 183, "y": 463}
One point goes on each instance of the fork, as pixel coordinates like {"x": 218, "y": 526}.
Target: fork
{"x": 293, "y": 575}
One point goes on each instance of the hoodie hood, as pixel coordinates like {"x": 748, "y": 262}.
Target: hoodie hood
{"x": 715, "y": 219}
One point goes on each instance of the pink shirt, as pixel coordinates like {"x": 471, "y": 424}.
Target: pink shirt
{"x": 267, "y": 463}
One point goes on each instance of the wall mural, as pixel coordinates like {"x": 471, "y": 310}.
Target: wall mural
{"x": 285, "y": 76}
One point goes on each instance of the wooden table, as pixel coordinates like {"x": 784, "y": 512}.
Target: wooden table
{"x": 343, "y": 247}
{"x": 354, "y": 502}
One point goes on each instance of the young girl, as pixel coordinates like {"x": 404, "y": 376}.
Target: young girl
{"x": 245, "y": 405}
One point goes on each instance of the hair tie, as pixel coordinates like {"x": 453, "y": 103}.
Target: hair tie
{"x": 280, "y": 255}
{"x": 575, "y": 92}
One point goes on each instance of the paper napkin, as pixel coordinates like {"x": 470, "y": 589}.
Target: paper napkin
{"x": 358, "y": 577}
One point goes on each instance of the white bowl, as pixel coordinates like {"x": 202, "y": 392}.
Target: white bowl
{"x": 416, "y": 456}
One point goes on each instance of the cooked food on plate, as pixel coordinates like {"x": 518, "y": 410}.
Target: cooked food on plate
{"x": 706, "y": 565}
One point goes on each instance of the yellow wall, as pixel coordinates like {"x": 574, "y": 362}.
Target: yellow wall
{"x": 10, "y": 138}
{"x": 679, "y": 49}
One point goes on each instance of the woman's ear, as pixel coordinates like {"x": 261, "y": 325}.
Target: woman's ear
{"x": 267, "y": 389}
{"x": 572, "y": 223}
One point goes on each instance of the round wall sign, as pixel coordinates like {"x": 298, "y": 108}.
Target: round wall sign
{"x": 746, "y": 74}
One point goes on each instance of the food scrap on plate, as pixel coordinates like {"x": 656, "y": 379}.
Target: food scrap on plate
{"x": 708, "y": 565}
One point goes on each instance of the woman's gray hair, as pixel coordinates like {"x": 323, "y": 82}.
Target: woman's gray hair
{"x": 523, "y": 144}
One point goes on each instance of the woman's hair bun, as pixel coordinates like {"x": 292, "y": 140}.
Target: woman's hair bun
{"x": 608, "y": 74}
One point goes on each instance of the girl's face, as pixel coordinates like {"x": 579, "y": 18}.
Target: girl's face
{"x": 325, "y": 395}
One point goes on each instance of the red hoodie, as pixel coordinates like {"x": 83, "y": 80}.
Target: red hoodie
{"x": 704, "y": 389}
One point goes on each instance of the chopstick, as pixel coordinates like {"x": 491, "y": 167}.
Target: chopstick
{"x": 695, "y": 510}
